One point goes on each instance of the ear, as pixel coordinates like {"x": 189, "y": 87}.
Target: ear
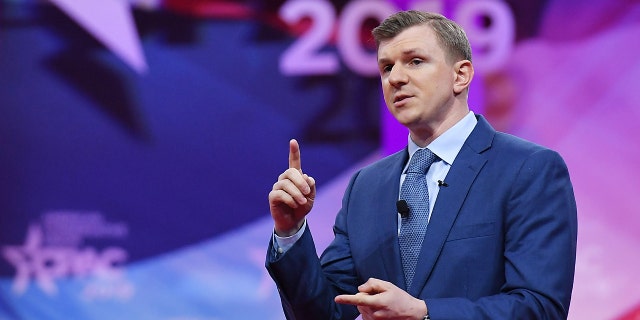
{"x": 463, "y": 74}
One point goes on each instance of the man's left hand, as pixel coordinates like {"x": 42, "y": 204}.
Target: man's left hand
{"x": 378, "y": 299}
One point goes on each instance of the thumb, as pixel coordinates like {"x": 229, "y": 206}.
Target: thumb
{"x": 373, "y": 286}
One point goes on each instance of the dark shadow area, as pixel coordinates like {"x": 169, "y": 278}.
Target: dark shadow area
{"x": 106, "y": 83}
{"x": 105, "y": 88}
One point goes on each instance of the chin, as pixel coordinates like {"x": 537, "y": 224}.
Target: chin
{"x": 404, "y": 117}
{"x": 406, "y": 122}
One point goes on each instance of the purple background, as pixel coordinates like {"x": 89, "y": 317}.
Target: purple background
{"x": 134, "y": 174}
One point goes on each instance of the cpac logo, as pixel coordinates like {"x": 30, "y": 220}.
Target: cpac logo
{"x": 44, "y": 264}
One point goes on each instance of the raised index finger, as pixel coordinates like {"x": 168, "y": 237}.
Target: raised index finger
{"x": 294, "y": 155}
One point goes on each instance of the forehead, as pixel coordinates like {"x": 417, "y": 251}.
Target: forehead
{"x": 416, "y": 38}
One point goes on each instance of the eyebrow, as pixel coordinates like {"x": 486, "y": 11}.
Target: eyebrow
{"x": 408, "y": 52}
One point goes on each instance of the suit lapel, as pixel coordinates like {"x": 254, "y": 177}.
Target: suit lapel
{"x": 461, "y": 175}
{"x": 388, "y": 239}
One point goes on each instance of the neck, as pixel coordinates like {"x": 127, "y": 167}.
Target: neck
{"x": 425, "y": 135}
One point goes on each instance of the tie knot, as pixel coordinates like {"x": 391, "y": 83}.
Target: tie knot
{"x": 421, "y": 161}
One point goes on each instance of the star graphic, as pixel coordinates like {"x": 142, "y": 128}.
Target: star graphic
{"x": 30, "y": 261}
{"x": 111, "y": 23}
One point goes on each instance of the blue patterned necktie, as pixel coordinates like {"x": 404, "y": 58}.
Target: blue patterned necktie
{"x": 414, "y": 190}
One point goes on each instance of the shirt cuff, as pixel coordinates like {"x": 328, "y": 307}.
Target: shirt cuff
{"x": 283, "y": 244}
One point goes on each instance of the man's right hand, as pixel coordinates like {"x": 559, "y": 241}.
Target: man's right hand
{"x": 292, "y": 196}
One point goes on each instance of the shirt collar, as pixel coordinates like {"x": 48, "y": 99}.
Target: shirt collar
{"x": 448, "y": 145}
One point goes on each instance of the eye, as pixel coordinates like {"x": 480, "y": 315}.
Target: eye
{"x": 416, "y": 62}
{"x": 386, "y": 68}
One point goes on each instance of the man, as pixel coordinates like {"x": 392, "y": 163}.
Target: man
{"x": 499, "y": 212}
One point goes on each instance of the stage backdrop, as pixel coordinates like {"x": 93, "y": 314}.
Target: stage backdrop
{"x": 139, "y": 140}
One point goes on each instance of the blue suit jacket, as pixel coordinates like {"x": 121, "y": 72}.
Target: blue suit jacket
{"x": 501, "y": 242}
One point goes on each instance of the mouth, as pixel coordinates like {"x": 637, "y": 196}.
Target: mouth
{"x": 400, "y": 98}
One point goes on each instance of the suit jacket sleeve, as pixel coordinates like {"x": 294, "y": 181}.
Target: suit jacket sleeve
{"x": 307, "y": 286}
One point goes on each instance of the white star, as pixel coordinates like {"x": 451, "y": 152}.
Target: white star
{"x": 111, "y": 22}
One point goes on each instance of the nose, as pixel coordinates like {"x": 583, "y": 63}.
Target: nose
{"x": 397, "y": 76}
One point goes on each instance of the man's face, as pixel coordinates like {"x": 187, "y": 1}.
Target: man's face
{"x": 417, "y": 79}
